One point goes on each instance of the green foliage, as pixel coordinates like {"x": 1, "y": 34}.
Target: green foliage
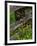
{"x": 12, "y": 17}
{"x": 23, "y": 32}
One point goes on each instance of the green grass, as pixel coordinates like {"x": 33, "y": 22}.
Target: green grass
{"x": 23, "y": 32}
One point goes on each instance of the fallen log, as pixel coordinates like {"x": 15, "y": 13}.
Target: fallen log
{"x": 19, "y": 23}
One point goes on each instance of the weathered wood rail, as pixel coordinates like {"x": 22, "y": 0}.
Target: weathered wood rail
{"x": 19, "y": 23}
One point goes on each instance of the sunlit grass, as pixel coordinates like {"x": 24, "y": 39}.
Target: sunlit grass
{"x": 23, "y": 32}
